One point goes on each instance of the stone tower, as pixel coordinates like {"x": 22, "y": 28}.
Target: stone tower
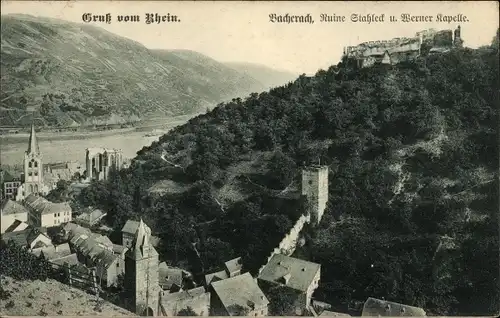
{"x": 33, "y": 170}
{"x": 141, "y": 273}
{"x": 457, "y": 40}
{"x": 315, "y": 189}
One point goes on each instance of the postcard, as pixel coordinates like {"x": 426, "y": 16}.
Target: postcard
{"x": 249, "y": 158}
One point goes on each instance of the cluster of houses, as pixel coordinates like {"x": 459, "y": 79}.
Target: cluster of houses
{"x": 154, "y": 288}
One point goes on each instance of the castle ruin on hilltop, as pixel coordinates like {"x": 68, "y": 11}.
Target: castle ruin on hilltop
{"x": 394, "y": 51}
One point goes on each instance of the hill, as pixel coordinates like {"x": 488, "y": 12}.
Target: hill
{"x": 266, "y": 75}
{"x": 52, "y": 298}
{"x": 75, "y": 74}
{"x": 413, "y": 154}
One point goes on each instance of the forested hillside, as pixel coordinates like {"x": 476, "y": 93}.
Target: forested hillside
{"x": 413, "y": 197}
{"x": 76, "y": 74}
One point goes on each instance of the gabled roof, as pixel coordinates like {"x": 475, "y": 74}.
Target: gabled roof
{"x": 106, "y": 258}
{"x": 71, "y": 259}
{"x": 53, "y": 252}
{"x": 168, "y": 299}
{"x": 293, "y": 272}
{"x": 17, "y": 225}
{"x": 170, "y": 276}
{"x": 118, "y": 249}
{"x": 130, "y": 227}
{"x": 12, "y": 207}
{"x": 23, "y": 238}
{"x": 376, "y": 307}
{"x": 43, "y": 206}
{"x": 233, "y": 265}
{"x": 214, "y": 277}
{"x": 7, "y": 177}
{"x": 241, "y": 290}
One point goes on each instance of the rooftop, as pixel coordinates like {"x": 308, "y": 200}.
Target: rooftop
{"x": 22, "y": 238}
{"x": 183, "y": 295}
{"x": 376, "y": 307}
{"x": 17, "y": 225}
{"x": 170, "y": 276}
{"x": 214, "y": 277}
{"x": 130, "y": 227}
{"x": 233, "y": 265}
{"x": 292, "y": 272}
{"x": 12, "y": 207}
{"x": 43, "y": 206}
{"x": 53, "y": 252}
{"x": 241, "y": 290}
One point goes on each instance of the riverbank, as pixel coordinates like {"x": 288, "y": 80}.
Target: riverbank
{"x": 70, "y": 146}
{"x": 144, "y": 128}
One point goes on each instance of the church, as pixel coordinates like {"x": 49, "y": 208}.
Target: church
{"x": 32, "y": 180}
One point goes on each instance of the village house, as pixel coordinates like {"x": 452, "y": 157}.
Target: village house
{"x": 9, "y": 185}
{"x": 197, "y": 299}
{"x": 57, "y": 255}
{"x": 374, "y": 307}
{"x": 95, "y": 250}
{"x": 119, "y": 250}
{"x": 108, "y": 267}
{"x": 29, "y": 238}
{"x": 54, "y": 172}
{"x": 231, "y": 268}
{"x": 171, "y": 278}
{"x": 10, "y": 212}
{"x": 90, "y": 217}
{"x": 237, "y": 296}
{"x": 298, "y": 275}
{"x": 43, "y": 213}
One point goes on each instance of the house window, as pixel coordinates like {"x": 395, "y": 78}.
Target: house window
{"x": 117, "y": 264}
{"x": 310, "y": 182}
{"x": 30, "y": 173}
{"x": 36, "y": 164}
{"x": 36, "y": 173}
{"x": 55, "y": 215}
{"x": 58, "y": 214}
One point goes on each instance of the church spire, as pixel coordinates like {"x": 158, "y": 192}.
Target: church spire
{"x": 33, "y": 144}
{"x": 141, "y": 245}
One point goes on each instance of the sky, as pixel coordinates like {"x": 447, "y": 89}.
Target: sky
{"x": 241, "y": 31}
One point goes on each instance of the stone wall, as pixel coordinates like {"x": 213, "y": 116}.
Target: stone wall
{"x": 289, "y": 243}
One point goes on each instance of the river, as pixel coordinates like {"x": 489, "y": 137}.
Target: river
{"x": 65, "y": 147}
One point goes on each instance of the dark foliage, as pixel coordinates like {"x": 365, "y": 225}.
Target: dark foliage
{"x": 427, "y": 128}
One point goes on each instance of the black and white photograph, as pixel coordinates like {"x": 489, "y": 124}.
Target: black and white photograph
{"x": 249, "y": 158}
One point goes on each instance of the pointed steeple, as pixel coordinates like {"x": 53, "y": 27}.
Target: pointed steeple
{"x": 141, "y": 245}
{"x": 33, "y": 143}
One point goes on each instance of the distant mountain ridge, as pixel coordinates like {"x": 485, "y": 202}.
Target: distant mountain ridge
{"x": 73, "y": 74}
{"x": 269, "y": 77}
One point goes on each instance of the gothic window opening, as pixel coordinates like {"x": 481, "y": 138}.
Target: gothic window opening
{"x": 36, "y": 164}
{"x": 30, "y": 164}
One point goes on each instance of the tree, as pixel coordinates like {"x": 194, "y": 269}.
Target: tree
{"x": 282, "y": 301}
